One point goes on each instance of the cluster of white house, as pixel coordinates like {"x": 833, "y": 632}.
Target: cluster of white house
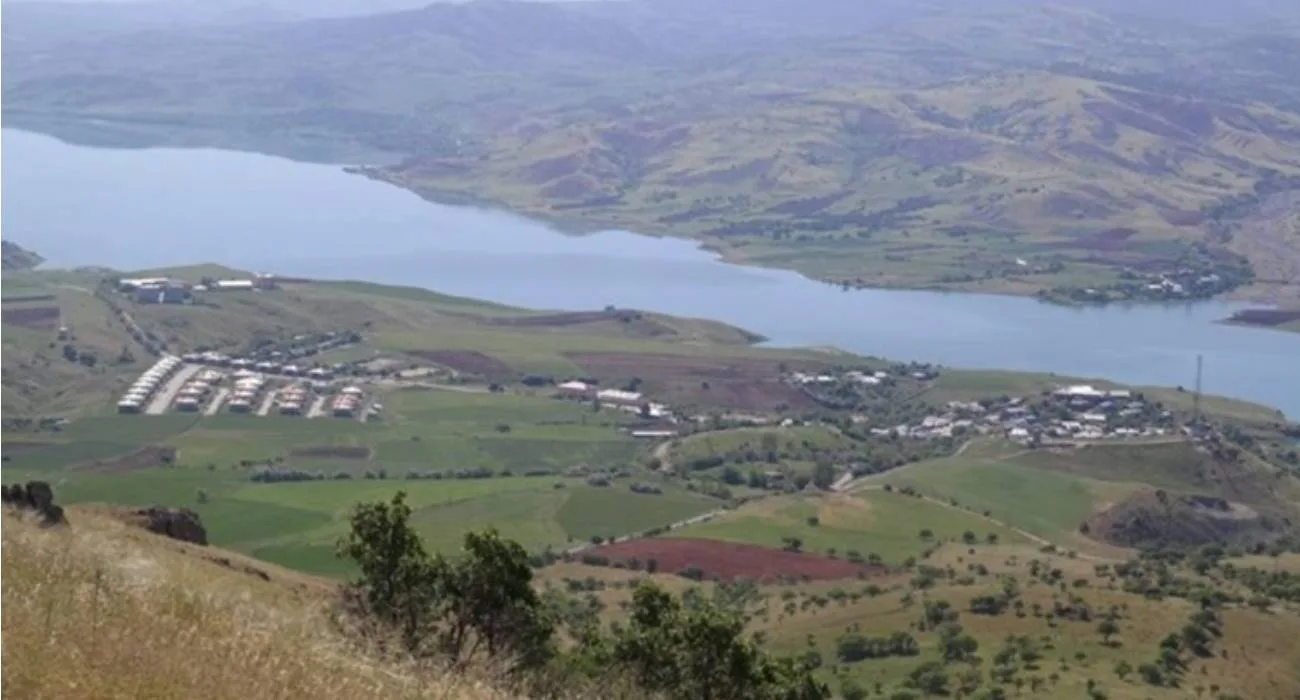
{"x": 191, "y": 396}
{"x": 868, "y": 378}
{"x": 347, "y": 403}
{"x": 247, "y": 388}
{"x": 217, "y": 359}
{"x": 165, "y": 290}
{"x": 1092, "y": 414}
{"x": 631, "y": 401}
{"x": 854, "y": 376}
{"x": 144, "y": 388}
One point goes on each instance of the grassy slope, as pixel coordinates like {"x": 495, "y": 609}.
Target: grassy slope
{"x": 1030, "y": 164}
{"x": 394, "y": 319}
{"x": 118, "y": 613}
{"x": 1261, "y": 638}
{"x": 886, "y": 524}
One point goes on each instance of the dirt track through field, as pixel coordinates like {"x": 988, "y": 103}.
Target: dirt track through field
{"x": 317, "y": 407}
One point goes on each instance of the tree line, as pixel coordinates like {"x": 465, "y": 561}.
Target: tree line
{"x": 482, "y": 607}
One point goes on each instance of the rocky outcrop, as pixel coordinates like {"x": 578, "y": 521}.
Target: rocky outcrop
{"x": 35, "y": 496}
{"x": 177, "y": 523}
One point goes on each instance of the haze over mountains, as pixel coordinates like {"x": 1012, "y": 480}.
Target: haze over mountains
{"x": 868, "y": 125}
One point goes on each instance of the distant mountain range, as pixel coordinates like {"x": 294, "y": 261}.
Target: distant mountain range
{"x": 932, "y": 143}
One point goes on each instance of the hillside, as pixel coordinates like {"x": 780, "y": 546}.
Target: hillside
{"x": 164, "y": 601}
{"x": 99, "y": 609}
{"x": 17, "y": 257}
{"x": 1007, "y": 147}
{"x": 1016, "y": 182}
{"x": 68, "y": 344}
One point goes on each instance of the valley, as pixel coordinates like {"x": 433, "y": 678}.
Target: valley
{"x": 780, "y": 350}
{"x": 822, "y": 493}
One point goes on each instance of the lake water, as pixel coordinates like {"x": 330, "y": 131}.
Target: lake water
{"x": 132, "y": 209}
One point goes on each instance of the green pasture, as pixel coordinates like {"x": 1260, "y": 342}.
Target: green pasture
{"x": 298, "y": 524}
{"x": 887, "y": 524}
{"x": 1045, "y": 503}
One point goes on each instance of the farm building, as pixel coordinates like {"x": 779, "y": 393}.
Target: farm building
{"x": 132, "y": 284}
{"x": 344, "y": 406}
{"x": 617, "y": 396}
{"x": 239, "y": 405}
{"x": 128, "y": 406}
{"x": 187, "y": 404}
{"x": 573, "y": 388}
{"x": 162, "y": 294}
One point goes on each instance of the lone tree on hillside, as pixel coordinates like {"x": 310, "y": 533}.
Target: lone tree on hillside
{"x": 1107, "y": 628}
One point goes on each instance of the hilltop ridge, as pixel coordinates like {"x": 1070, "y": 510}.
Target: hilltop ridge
{"x": 1083, "y": 151}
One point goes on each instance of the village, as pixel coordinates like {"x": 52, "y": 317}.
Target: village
{"x": 209, "y": 382}
{"x": 1070, "y": 413}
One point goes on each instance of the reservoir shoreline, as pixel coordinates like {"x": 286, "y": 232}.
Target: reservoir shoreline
{"x": 149, "y": 208}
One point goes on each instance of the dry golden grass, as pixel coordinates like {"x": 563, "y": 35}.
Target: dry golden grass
{"x": 97, "y": 610}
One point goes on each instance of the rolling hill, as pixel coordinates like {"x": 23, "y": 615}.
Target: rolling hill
{"x": 1011, "y": 182}
{"x": 1011, "y": 147}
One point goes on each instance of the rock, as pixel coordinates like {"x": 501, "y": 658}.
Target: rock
{"x": 177, "y": 523}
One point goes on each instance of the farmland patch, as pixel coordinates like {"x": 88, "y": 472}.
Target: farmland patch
{"x": 331, "y": 452}
{"x": 730, "y": 561}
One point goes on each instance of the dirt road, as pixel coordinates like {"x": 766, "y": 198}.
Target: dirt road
{"x": 267, "y": 403}
{"x": 317, "y": 407}
{"x": 167, "y": 392}
{"x": 695, "y": 520}
{"x": 217, "y": 401}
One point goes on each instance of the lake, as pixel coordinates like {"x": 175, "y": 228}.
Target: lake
{"x": 133, "y": 209}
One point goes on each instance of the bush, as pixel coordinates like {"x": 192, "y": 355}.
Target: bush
{"x": 692, "y": 572}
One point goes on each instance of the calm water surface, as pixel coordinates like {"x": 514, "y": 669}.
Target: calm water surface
{"x": 147, "y": 208}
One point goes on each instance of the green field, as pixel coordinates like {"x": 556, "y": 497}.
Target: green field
{"x": 886, "y": 524}
{"x": 297, "y": 524}
{"x": 1047, "y": 504}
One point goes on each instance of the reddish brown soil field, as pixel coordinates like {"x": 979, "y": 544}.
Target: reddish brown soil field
{"x": 467, "y": 361}
{"x": 37, "y": 317}
{"x": 729, "y": 382}
{"x": 143, "y": 458}
{"x": 331, "y": 452}
{"x": 729, "y": 561}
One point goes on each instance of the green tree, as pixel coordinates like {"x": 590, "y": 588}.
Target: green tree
{"x": 1107, "y": 628}
{"x": 929, "y": 678}
{"x": 823, "y": 475}
{"x": 1123, "y": 669}
{"x": 955, "y": 644}
{"x": 483, "y": 602}
{"x": 397, "y": 582}
{"x": 702, "y": 653}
